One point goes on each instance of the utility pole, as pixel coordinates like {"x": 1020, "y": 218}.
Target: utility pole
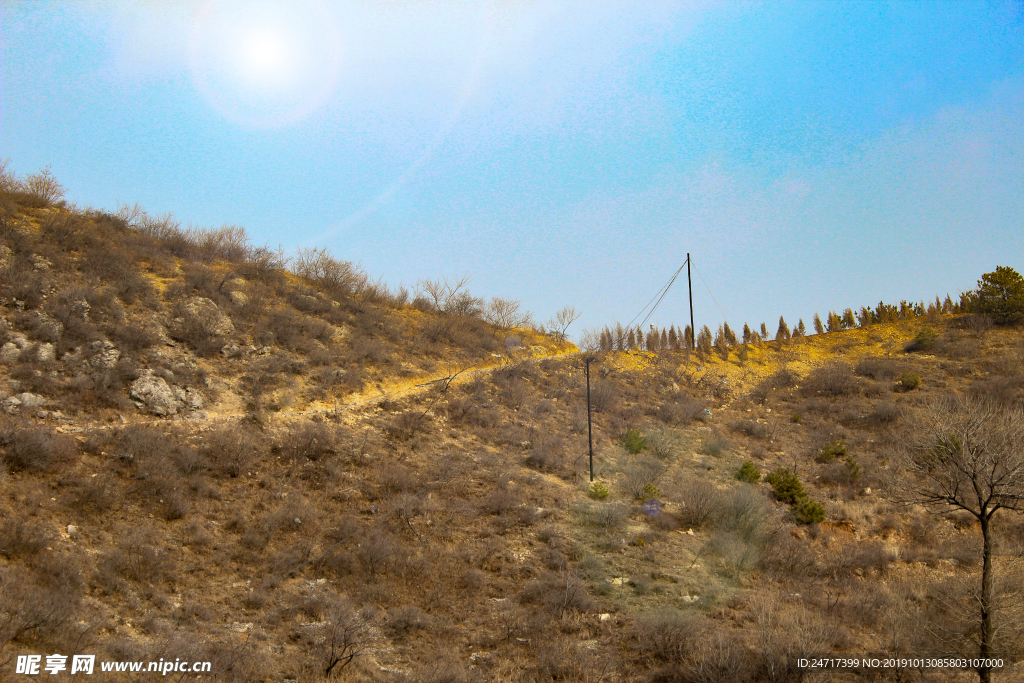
{"x": 689, "y": 283}
{"x": 590, "y": 431}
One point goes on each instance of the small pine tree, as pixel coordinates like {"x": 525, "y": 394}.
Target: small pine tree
{"x": 1000, "y": 295}
{"x": 721, "y": 345}
{"x": 764, "y": 331}
{"x": 730, "y": 336}
{"x": 818, "y": 328}
{"x": 688, "y": 337}
{"x": 746, "y": 333}
{"x": 849, "y": 321}
{"x": 620, "y": 337}
{"x": 801, "y": 328}
{"x": 664, "y": 346}
{"x": 704, "y": 345}
{"x": 834, "y": 323}
{"x": 947, "y": 305}
{"x": 783, "y": 332}
{"x": 631, "y": 340}
{"x": 748, "y": 472}
{"x": 864, "y": 316}
{"x": 673, "y": 338}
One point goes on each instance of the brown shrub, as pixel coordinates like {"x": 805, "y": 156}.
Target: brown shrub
{"x": 605, "y": 397}
{"x": 21, "y": 538}
{"x": 36, "y": 449}
{"x": 833, "y": 378}
{"x": 878, "y": 367}
{"x": 310, "y": 442}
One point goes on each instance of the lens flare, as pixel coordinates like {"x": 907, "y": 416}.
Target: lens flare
{"x": 265, "y": 64}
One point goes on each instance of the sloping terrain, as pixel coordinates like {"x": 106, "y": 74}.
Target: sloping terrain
{"x": 208, "y": 457}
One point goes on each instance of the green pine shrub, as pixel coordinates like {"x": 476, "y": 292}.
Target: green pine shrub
{"x": 748, "y": 472}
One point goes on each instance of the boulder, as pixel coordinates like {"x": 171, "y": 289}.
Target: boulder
{"x": 46, "y": 353}
{"x": 200, "y": 310}
{"x": 9, "y": 353}
{"x": 102, "y": 355}
{"x": 152, "y": 393}
{"x": 11, "y": 405}
{"x": 238, "y": 298}
{"x": 30, "y": 400}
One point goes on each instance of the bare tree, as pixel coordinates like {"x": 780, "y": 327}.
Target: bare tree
{"x": 451, "y": 297}
{"x": 967, "y": 455}
{"x": 560, "y": 323}
{"x": 335, "y": 276}
{"x": 506, "y": 313}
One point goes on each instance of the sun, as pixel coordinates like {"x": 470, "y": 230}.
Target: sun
{"x": 265, "y": 64}
{"x": 265, "y": 56}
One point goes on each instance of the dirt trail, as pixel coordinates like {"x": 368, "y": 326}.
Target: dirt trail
{"x": 392, "y": 391}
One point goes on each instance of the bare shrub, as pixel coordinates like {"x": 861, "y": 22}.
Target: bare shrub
{"x": 561, "y": 592}
{"x": 339, "y": 640}
{"x": 758, "y": 430}
{"x": 702, "y": 502}
{"x": 405, "y": 620}
{"x": 231, "y": 450}
{"x": 680, "y": 409}
{"x": 670, "y": 635}
{"x": 396, "y": 478}
{"x": 878, "y": 367}
{"x": 36, "y": 449}
{"x": 886, "y": 412}
{"x": 310, "y": 442}
{"x": 336, "y": 277}
{"x": 782, "y": 379}
{"x": 605, "y": 516}
{"x": 547, "y": 454}
{"x": 834, "y": 378}
{"x": 638, "y": 473}
{"x": 604, "y": 396}
{"x": 406, "y": 424}
{"x": 21, "y": 538}
{"x": 30, "y": 612}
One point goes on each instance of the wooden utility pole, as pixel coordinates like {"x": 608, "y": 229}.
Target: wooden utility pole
{"x": 590, "y": 432}
{"x": 689, "y": 283}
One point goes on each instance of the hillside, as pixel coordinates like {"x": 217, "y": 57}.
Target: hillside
{"x": 302, "y": 475}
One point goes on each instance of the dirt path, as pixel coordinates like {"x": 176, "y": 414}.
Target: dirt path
{"x": 392, "y": 391}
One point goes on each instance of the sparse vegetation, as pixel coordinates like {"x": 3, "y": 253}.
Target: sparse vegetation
{"x": 353, "y": 471}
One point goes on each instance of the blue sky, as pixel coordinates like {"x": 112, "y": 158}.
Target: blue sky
{"x": 811, "y": 155}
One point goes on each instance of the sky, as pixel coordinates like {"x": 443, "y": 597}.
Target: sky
{"x": 810, "y": 156}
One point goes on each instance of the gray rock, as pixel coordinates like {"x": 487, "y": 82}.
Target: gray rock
{"x": 231, "y": 350}
{"x": 155, "y": 395}
{"x": 238, "y": 298}
{"x": 11, "y": 405}
{"x": 9, "y": 353}
{"x": 46, "y": 353}
{"x": 30, "y": 400}
{"x": 189, "y": 398}
{"x": 204, "y": 312}
{"x": 40, "y": 263}
{"x": 19, "y": 340}
{"x": 102, "y": 355}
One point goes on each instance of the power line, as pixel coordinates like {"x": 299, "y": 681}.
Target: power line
{"x": 724, "y": 317}
{"x": 660, "y": 295}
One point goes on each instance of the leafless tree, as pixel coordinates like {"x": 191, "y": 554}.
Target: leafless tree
{"x": 967, "y": 454}
{"x": 506, "y": 313}
{"x": 563, "y": 319}
{"x": 342, "y": 638}
{"x": 451, "y": 297}
{"x": 336, "y": 276}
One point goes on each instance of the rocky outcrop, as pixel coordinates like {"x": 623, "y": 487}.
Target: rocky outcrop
{"x": 24, "y": 401}
{"x": 153, "y": 394}
{"x": 204, "y": 314}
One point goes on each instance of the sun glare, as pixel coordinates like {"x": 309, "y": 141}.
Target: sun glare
{"x": 266, "y": 64}
{"x": 265, "y": 56}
